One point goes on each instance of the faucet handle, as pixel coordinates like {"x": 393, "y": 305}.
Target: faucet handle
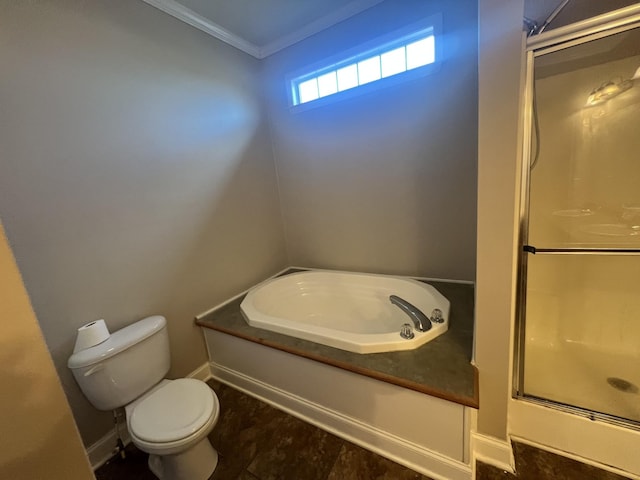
{"x": 406, "y": 331}
{"x": 436, "y": 316}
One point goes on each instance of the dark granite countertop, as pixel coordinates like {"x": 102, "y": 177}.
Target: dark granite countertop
{"x": 440, "y": 368}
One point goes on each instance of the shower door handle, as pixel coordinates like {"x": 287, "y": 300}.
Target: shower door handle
{"x": 580, "y": 251}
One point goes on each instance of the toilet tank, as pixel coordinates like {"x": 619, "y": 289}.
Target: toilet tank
{"x": 120, "y": 369}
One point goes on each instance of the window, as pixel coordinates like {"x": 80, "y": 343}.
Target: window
{"x": 388, "y": 58}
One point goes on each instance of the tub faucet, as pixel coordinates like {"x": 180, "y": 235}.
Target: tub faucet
{"x": 420, "y": 320}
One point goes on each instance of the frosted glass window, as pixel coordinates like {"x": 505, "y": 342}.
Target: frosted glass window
{"x": 308, "y": 90}
{"x": 369, "y": 70}
{"x": 347, "y": 77}
{"x": 327, "y": 84}
{"x": 420, "y": 53}
{"x": 388, "y": 60}
{"x": 394, "y": 62}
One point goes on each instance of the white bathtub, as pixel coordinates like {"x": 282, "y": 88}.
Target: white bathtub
{"x": 350, "y": 311}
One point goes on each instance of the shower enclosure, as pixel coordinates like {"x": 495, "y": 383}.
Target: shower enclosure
{"x": 578, "y": 346}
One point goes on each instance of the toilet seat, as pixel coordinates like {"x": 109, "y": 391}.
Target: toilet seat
{"x": 177, "y": 446}
{"x": 172, "y": 417}
{"x": 173, "y": 412}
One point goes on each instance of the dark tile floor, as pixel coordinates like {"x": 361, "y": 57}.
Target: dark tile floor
{"x": 536, "y": 464}
{"x": 258, "y": 442}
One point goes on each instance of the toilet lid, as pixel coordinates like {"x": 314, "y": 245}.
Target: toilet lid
{"x": 173, "y": 412}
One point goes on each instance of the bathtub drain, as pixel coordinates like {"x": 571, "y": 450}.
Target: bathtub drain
{"x": 622, "y": 385}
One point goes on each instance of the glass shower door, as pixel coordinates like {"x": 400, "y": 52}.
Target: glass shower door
{"x": 580, "y": 343}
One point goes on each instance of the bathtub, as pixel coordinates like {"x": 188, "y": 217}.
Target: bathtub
{"x": 349, "y": 311}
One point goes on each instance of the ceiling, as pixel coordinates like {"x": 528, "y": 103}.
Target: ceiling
{"x": 262, "y": 27}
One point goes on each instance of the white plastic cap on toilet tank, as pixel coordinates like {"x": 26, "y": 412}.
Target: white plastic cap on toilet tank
{"x": 350, "y": 311}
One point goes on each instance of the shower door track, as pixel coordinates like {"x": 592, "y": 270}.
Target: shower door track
{"x": 583, "y": 412}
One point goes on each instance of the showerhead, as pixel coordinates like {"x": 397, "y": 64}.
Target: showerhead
{"x": 609, "y": 90}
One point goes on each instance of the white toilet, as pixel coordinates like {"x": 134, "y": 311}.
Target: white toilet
{"x": 169, "y": 419}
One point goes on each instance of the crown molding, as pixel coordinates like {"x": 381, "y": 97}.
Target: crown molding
{"x": 352, "y": 8}
{"x": 205, "y": 25}
{"x": 184, "y": 14}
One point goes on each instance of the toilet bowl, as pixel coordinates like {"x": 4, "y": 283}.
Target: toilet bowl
{"x": 168, "y": 419}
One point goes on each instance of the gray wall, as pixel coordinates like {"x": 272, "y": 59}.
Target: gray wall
{"x": 383, "y": 182}
{"x": 136, "y": 173}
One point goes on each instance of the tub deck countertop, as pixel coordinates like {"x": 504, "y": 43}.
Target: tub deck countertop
{"x": 440, "y": 368}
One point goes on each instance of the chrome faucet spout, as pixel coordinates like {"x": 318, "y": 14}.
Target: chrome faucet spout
{"x": 421, "y": 322}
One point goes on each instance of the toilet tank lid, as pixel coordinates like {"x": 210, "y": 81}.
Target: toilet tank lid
{"x": 118, "y": 341}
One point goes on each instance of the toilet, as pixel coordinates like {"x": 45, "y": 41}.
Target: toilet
{"x": 168, "y": 419}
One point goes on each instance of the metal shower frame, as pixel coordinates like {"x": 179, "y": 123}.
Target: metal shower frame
{"x": 538, "y": 45}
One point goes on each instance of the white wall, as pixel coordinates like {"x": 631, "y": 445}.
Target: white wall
{"x": 136, "y": 174}
{"x": 383, "y": 182}
{"x": 499, "y": 71}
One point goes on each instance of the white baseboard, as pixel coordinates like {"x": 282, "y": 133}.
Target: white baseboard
{"x": 492, "y": 451}
{"x": 390, "y": 446}
{"x": 203, "y": 372}
{"x": 105, "y": 448}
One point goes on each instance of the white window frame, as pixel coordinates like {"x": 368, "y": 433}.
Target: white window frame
{"x": 428, "y": 26}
